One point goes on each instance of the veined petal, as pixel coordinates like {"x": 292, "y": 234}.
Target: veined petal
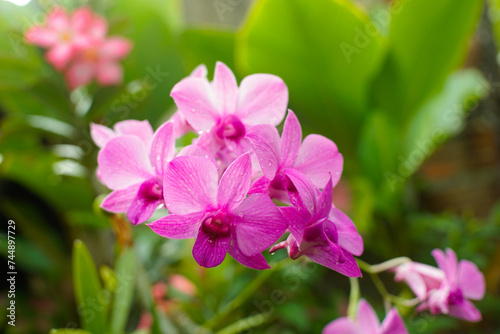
{"x": 196, "y": 101}
{"x": 258, "y": 224}
{"x": 209, "y": 252}
{"x": 256, "y": 261}
{"x": 447, "y": 262}
{"x": 367, "y": 319}
{"x": 466, "y": 311}
{"x": 342, "y": 325}
{"x": 265, "y": 141}
{"x": 301, "y": 191}
{"x": 349, "y": 238}
{"x": 141, "y": 129}
{"x": 290, "y": 139}
{"x": 319, "y": 158}
{"x": 101, "y": 134}
{"x": 120, "y": 200}
{"x": 296, "y": 219}
{"x": 190, "y": 185}
{"x": 178, "y": 226}
{"x": 259, "y": 186}
{"x": 163, "y": 147}
{"x": 123, "y": 162}
{"x": 225, "y": 88}
{"x": 141, "y": 209}
{"x": 325, "y": 201}
{"x": 393, "y": 324}
{"x": 328, "y": 258}
{"x": 470, "y": 280}
{"x": 262, "y": 99}
{"x": 235, "y": 182}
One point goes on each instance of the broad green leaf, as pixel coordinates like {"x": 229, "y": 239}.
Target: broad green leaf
{"x": 443, "y": 116}
{"x": 126, "y": 275}
{"x": 90, "y": 299}
{"x": 428, "y": 39}
{"x": 203, "y": 46}
{"x": 325, "y": 50}
{"x": 378, "y": 146}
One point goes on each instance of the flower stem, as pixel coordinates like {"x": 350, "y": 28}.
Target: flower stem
{"x": 353, "y": 298}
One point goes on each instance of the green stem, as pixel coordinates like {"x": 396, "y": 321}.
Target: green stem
{"x": 245, "y": 324}
{"x": 353, "y": 298}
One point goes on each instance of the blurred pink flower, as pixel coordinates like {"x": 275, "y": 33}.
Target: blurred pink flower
{"x": 463, "y": 281}
{"x": 218, "y": 213}
{"x": 182, "y": 284}
{"x": 367, "y": 322}
{"x": 421, "y": 278}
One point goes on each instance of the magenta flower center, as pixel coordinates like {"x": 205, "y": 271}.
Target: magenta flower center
{"x": 456, "y": 297}
{"x": 150, "y": 190}
{"x": 216, "y": 226}
{"x": 231, "y": 128}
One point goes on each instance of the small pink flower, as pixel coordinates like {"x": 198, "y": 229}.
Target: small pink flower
{"x": 421, "y": 278}
{"x": 317, "y": 157}
{"x": 367, "y": 322}
{"x": 463, "y": 281}
{"x": 62, "y": 34}
{"x": 218, "y": 213}
{"x": 99, "y": 60}
{"x": 221, "y": 112}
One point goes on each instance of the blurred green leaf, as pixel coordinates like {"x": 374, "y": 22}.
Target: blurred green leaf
{"x": 108, "y": 277}
{"x": 68, "y": 331}
{"x": 88, "y": 289}
{"x": 326, "y": 51}
{"x": 126, "y": 276}
{"x": 443, "y": 116}
{"x": 204, "y": 46}
{"x": 428, "y": 40}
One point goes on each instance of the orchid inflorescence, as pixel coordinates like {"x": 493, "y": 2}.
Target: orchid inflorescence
{"x": 240, "y": 186}
{"x": 77, "y": 45}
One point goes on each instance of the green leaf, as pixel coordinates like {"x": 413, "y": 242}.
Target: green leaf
{"x": 68, "y": 331}
{"x": 204, "y": 46}
{"x": 88, "y": 290}
{"x": 324, "y": 52}
{"x": 428, "y": 39}
{"x": 126, "y": 276}
{"x": 443, "y": 116}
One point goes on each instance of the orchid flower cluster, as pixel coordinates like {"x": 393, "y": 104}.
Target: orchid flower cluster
{"x": 78, "y": 46}
{"x": 240, "y": 185}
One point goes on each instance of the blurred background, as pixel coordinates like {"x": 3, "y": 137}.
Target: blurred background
{"x": 409, "y": 90}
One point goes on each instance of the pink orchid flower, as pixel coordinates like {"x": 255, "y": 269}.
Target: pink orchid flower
{"x": 463, "y": 281}
{"x": 317, "y": 229}
{"x": 63, "y": 34}
{"x": 218, "y": 213}
{"x": 142, "y": 129}
{"x": 221, "y": 112}
{"x": 134, "y": 170}
{"x": 181, "y": 125}
{"x": 421, "y": 278}
{"x": 99, "y": 60}
{"x": 367, "y": 322}
{"x": 317, "y": 157}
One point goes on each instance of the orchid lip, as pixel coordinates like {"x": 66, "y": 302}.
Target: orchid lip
{"x": 231, "y": 128}
{"x": 216, "y": 226}
{"x": 150, "y": 190}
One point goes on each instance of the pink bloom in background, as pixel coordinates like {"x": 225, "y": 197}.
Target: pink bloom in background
{"x": 317, "y": 157}
{"x": 133, "y": 169}
{"x": 367, "y": 322}
{"x": 218, "y": 213}
{"x": 421, "y": 278}
{"x": 221, "y": 112}
{"x": 463, "y": 281}
{"x": 142, "y": 129}
{"x": 77, "y": 45}
{"x": 318, "y": 230}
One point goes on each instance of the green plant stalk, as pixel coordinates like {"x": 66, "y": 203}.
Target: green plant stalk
{"x": 353, "y": 298}
{"x": 245, "y": 324}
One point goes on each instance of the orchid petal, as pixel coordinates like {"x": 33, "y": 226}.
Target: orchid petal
{"x": 470, "y": 280}
{"x": 141, "y": 129}
{"x": 265, "y": 141}
{"x": 328, "y": 258}
{"x": 466, "y": 311}
{"x": 101, "y": 134}
{"x": 225, "y": 88}
{"x": 190, "y": 185}
{"x": 235, "y": 182}
{"x": 196, "y": 101}
{"x": 123, "y": 162}
{"x": 319, "y": 159}
{"x": 393, "y": 324}
{"x": 296, "y": 219}
{"x": 120, "y": 200}
{"x": 262, "y": 99}
{"x": 342, "y": 325}
{"x": 209, "y": 252}
{"x": 177, "y": 226}
{"x": 256, "y": 261}
{"x": 349, "y": 238}
{"x": 163, "y": 147}
{"x": 141, "y": 209}
{"x": 367, "y": 319}
{"x": 199, "y": 72}
{"x": 290, "y": 139}
{"x": 301, "y": 191}
{"x": 258, "y": 224}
